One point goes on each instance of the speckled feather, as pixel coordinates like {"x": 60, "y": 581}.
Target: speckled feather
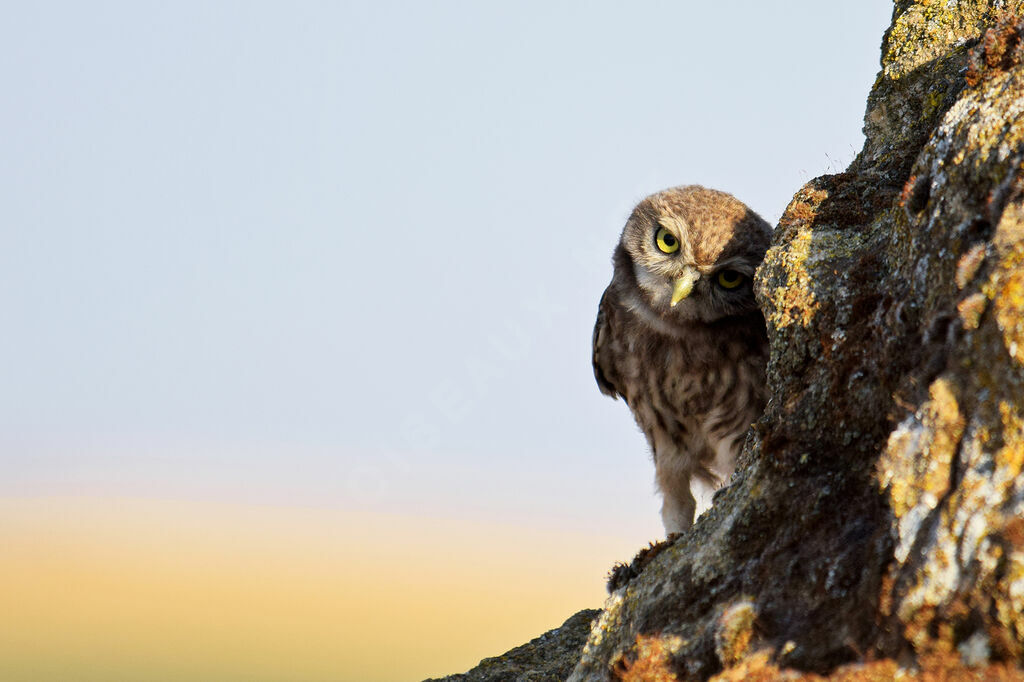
{"x": 692, "y": 374}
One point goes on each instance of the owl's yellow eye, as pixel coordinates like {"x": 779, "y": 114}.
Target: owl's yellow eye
{"x": 666, "y": 241}
{"x": 730, "y": 279}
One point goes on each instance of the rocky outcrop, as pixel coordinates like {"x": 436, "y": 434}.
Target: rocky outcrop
{"x": 548, "y": 658}
{"x": 876, "y": 524}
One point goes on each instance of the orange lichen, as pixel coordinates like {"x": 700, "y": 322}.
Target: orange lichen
{"x": 932, "y": 668}
{"x": 648, "y": 661}
{"x": 1000, "y": 49}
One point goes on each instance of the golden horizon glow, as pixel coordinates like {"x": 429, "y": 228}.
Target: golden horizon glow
{"x": 101, "y": 589}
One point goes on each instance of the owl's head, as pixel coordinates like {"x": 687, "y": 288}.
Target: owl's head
{"x": 692, "y": 252}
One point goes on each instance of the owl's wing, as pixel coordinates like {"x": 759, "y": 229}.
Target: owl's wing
{"x": 601, "y": 333}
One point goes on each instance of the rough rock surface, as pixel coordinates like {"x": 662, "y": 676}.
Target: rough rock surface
{"x": 875, "y": 528}
{"x": 548, "y": 658}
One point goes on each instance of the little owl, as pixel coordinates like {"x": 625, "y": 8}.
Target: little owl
{"x": 679, "y": 336}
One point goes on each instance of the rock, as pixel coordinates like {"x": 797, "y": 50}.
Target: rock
{"x": 877, "y": 522}
{"x": 548, "y": 658}
{"x": 875, "y": 526}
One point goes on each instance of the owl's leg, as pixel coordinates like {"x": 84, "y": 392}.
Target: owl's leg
{"x": 703, "y": 491}
{"x": 677, "y": 511}
{"x": 673, "y": 479}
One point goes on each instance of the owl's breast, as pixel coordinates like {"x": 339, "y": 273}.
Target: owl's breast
{"x": 691, "y": 375}
{"x": 706, "y": 377}
{"x": 698, "y": 390}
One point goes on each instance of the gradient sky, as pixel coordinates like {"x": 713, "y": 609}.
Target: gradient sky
{"x": 347, "y": 257}
{"x": 349, "y": 254}
{"x": 297, "y": 302}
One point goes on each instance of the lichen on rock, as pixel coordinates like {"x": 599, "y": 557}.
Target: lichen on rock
{"x": 878, "y": 516}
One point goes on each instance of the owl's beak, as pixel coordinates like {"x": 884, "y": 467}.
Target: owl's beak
{"x": 683, "y": 285}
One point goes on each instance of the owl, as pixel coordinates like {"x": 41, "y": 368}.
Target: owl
{"x": 680, "y": 337}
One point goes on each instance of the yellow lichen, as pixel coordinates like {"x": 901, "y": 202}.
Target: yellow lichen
{"x": 926, "y": 30}
{"x": 945, "y": 425}
{"x": 1009, "y": 310}
{"x": 970, "y": 310}
{"x": 969, "y": 264}
{"x": 917, "y": 460}
{"x": 735, "y": 631}
{"x": 794, "y": 302}
{"x": 1010, "y": 457}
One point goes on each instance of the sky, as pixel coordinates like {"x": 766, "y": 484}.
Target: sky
{"x": 347, "y": 256}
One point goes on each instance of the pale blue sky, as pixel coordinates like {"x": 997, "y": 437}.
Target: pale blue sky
{"x": 349, "y": 254}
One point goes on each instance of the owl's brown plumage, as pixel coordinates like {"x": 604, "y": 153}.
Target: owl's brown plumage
{"x": 680, "y": 338}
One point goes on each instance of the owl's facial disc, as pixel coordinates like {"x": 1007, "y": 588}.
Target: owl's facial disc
{"x": 683, "y": 285}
